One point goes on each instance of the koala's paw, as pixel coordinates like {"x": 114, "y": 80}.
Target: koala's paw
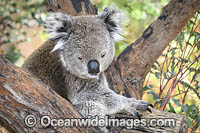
{"x": 142, "y": 105}
{"x": 139, "y": 105}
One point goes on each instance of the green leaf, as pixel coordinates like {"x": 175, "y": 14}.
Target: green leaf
{"x": 176, "y": 101}
{"x": 197, "y": 124}
{"x": 186, "y": 84}
{"x": 198, "y": 46}
{"x": 148, "y": 87}
{"x": 189, "y": 121}
{"x": 166, "y": 76}
{"x": 154, "y": 67}
{"x": 171, "y": 108}
{"x": 13, "y": 55}
{"x": 155, "y": 96}
{"x": 157, "y": 74}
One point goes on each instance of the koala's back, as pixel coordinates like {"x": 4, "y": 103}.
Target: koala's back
{"x": 46, "y": 66}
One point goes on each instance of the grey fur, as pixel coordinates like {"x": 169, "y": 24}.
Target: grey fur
{"x": 62, "y": 62}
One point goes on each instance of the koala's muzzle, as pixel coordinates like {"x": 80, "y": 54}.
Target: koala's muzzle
{"x": 93, "y": 67}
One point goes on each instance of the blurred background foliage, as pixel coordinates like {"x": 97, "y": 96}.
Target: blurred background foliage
{"x": 16, "y": 17}
{"x": 173, "y": 83}
{"x": 139, "y": 15}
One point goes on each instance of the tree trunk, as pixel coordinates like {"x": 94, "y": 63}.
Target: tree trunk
{"x": 22, "y": 94}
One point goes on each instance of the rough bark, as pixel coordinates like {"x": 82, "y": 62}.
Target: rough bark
{"x": 181, "y": 125}
{"x": 22, "y": 94}
{"x": 72, "y": 7}
{"x": 127, "y": 73}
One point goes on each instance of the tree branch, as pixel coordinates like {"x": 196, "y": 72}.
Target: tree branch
{"x": 137, "y": 59}
{"x": 72, "y": 7}
{"x": 22, "y": 94}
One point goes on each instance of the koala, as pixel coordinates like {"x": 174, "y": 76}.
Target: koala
{"x": 73, "y": 61}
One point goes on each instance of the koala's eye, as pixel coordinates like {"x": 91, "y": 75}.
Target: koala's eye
{"x": 103, "y": 54}
{"x": 80, "y": 58}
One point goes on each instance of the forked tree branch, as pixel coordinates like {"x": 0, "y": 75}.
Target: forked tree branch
{"x": 22, "y": 94}
{"x": 132, "y": 66}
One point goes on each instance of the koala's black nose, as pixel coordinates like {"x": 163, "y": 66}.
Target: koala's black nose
{"x": 93, "y": 67}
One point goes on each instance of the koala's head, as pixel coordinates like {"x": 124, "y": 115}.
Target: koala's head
{"x": 85, "y": 43}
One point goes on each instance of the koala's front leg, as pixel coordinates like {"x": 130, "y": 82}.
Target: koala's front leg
{"x": 91, "y": 109}
{"x": 134, "y": 106}
{"x": 116, "y": 103}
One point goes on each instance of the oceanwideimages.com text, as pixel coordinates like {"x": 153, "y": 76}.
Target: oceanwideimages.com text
{"x": 128, "y": 123}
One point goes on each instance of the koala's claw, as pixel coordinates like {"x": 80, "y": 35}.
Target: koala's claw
{"x": 138, "y": 115}
{"x": 151, "y": 105}
{"x": 141, "y": 105}
{"x": 149, "y": 110}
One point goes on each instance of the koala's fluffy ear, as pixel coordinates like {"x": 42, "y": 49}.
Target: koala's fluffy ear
{"x": 58, "y": 25}
{"x": 113, "y": 20}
